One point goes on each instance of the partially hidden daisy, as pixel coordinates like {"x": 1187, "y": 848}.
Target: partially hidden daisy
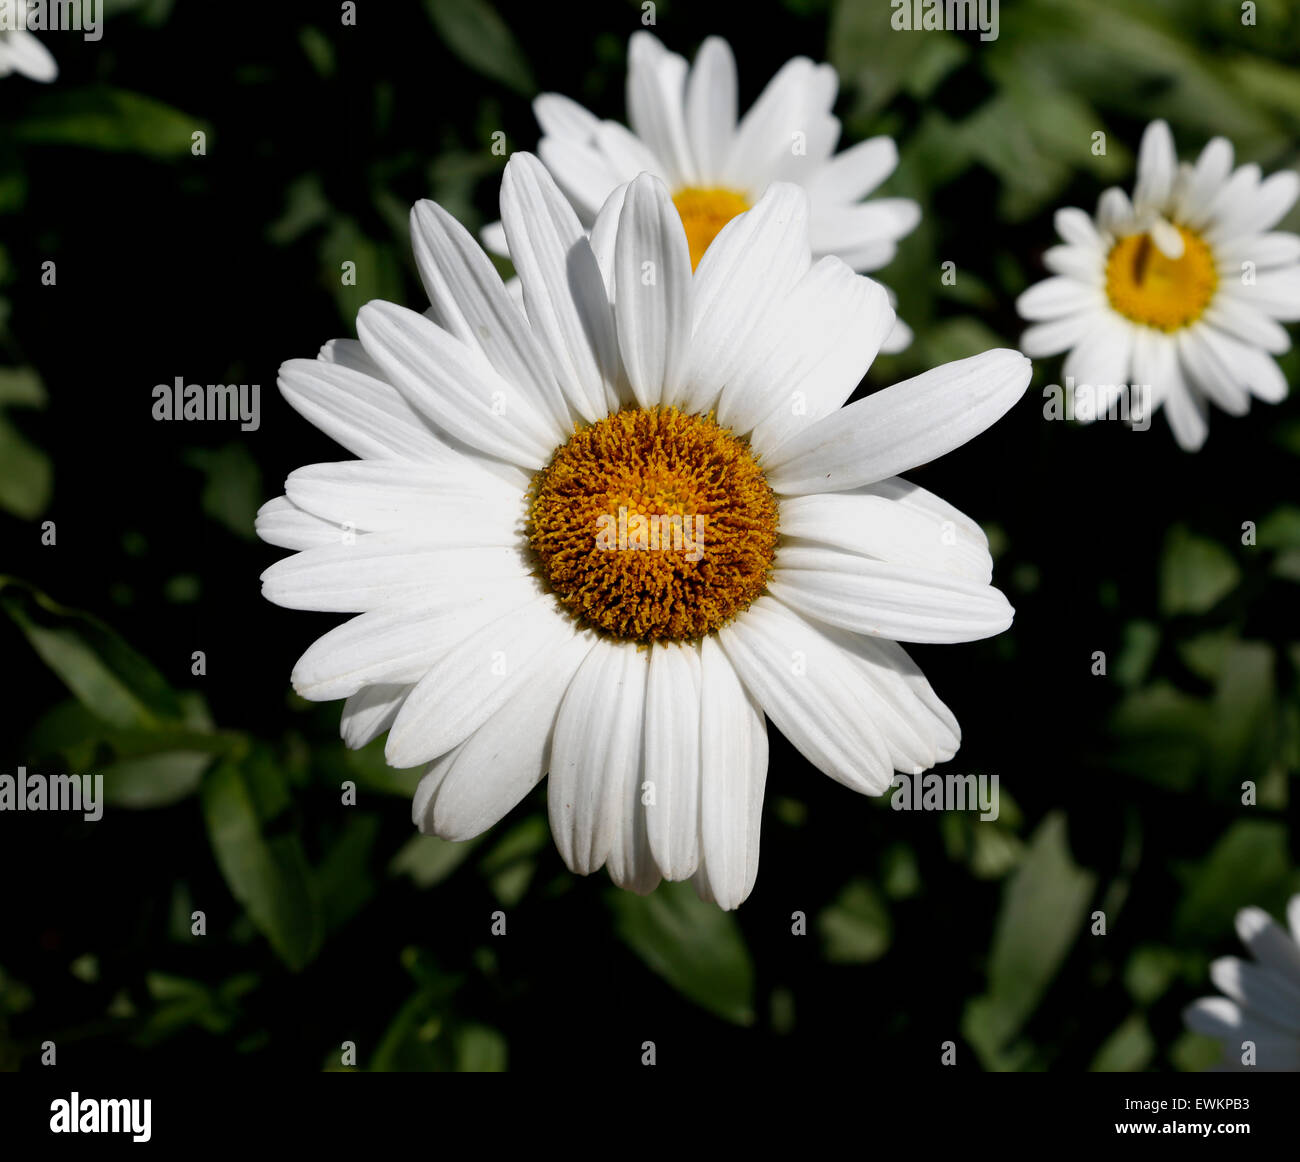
{"x": 607, "y": 534}
{"x": 1258, "y": 1017}
{"x": 685, "y": 131}
{"x": 1181, "y": 290}
{"x": 22, "y": 53}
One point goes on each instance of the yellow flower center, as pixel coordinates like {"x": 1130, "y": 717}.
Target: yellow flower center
{"x": 704, "y": 212}
{"x": 1149, "y": 287}
{"x": 653, "y": 524}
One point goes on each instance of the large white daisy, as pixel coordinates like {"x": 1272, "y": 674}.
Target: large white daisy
{"x": 21, "y": 52}
{"x": 497, "y": 638}
{"x": 684, "y": 130}
{"x": 1180, "y": 289}
{"x": 1262, "y": 1000}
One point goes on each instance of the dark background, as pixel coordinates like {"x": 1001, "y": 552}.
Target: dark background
{"x": 1120, "y": 792}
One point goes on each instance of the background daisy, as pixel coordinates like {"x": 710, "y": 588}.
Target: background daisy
{"x": 684, "y": 128}
{"x": 1261, "y": 1001}
{"x": 1182, "y": 288}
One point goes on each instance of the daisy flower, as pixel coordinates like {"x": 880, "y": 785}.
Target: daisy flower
{"x": 505, "y": 628}
{"x": 684, "y": 130}
{"x": 21, "y": 52}
{"x": 1180, "y": 290}
{"x": 1262, "y": 1000}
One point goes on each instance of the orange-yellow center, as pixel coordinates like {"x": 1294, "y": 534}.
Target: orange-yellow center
{"x": 1145, "y": 285}
{"x": 652, "y": 524}
{"x": 704, "y": 212}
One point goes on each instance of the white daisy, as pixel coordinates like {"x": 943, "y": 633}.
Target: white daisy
{"x": 1262, "y": 1001}
{"x": 21, "y": 52}
{"x": 1180, "y": 289}
{"x": 684, "y": 130}
{"x": 498, "y": 639}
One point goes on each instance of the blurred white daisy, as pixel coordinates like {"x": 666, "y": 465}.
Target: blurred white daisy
{"x": 1181, "y": 289}
{"x": 1261, "y": 1004}
{"x": 498, "y": 638}
{"x": 21, "y": 52}
{"x": 684, "y": 130}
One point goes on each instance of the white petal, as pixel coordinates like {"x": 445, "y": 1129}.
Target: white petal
{"x": 809, "y": 355}
{"x": 559, "y": 116}
{"x": 564, "y": 292}
{"x": 1207, "y": 356}
{"x": 863, "y": 521}
{"x": 506, "y": 757}
{"x": 711, "y": 108}
{"x": 1156, "y": 165}
{"x": 470, "y": 301}
{"x": 475, "y": 678}
{"x": 672, "y": 758}
{"x": 733, "y": 773}
{"x": 1185, "y": 409}
{"x": 652, "y": 299}
{"x": 387, "y": 495}
{"x": 580, "y": 171}
{"x": 1057, "y": 296}
{"x": 811, "y": 691}
{"x": 899, "y": 602}
{"x": 1077, "y": 228}
{"x": 656, "y": 96}
{"x": 1247, "y": 323}
{"x": 1268, "y": 941}
{"x": 854, "y": 173}
{"x": 377, "y": 569}
{"x": 902, "y": 426}
{"x": 1208, "y": 176}
{"x": 282, "y": 523}
{"x": 397, "y": 645}
{"x": 1273, "y": 995}
{"x": 1051, "y": 338}
{"x": 365, "y": 415}
{"x": 454, "y": 386}
{"x": 370, "y": 711}
{"x": 754, "y": 261}
{"x": 596, "y": 762}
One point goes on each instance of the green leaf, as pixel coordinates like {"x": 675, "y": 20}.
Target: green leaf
{"x": 108, "y": 677}
{"x": 695, "y": 946}
{"x": 26, "y": 476}
{"x": 480, "y": 1050}
{"x": 1129, "y": 1049}
{"x": 1248, "y": 865}
{"x": 155, "y": 780}
{"x": 233, "y": 490}
{"x": 106, "y": 118}
{"x": 429, "y": 860}
{"x": 482, "y": 40}
{"x": 266, "y": 873}
{"x": 1195, "y": 573}
{"x": 1044, "y": 905}
{"x": 855, "y": 929}
{"x": 21, "y": 387}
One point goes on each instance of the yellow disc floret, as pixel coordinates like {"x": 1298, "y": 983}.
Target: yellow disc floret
{"x": 704, "y": 212}
{"x": 1147, "y": 286}
{"x": 654, "y": 525}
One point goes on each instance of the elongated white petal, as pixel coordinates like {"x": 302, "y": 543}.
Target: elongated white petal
{"x": 561, "y": 116}
{"x": 902, "y": 426}
{"x": 656, "y": 95}
{"x": 1156, "y": 165}
{"x": 387, "y": 495}
{"x": 652, "y": 301}
{"x": 711, "y": 108}
{"x": 375, "y": 569}
{"x": 365, "y": 415}
{"x": 900, "y": 602}
{"x": 454, "y": 386}
{"x": 672, "y": 759}
{"x": 733, "y": 773}
{"x": 811, "y": 691}
{"x": 370, "y": 711}
{"x": 756, "y": 258}
{"x": 854, "y": 173}
{"x": 397, "y": 645}
{"x": 564, "y": 292}
{"x": 475, "y": 678}
{"x": 596, "y": 762}
{"x": 505, "y": 757}
{"x": 282, "y": 523}
{"x": 471, "y": 303}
